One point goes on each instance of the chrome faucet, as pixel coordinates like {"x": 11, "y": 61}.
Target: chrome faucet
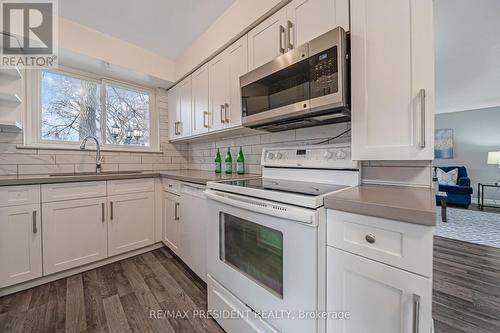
{"x": 98, "y": 158}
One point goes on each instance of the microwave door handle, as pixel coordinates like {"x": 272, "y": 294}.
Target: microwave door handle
{"x": 281, "y": 32}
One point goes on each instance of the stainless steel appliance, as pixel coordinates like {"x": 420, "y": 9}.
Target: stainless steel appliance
{"x": 263, "y": 239}
{"x": 307, "y": 86}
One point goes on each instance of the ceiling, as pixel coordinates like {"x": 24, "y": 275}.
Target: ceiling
{"x": 166, "y": 27}
{"x": 467, "y": 46}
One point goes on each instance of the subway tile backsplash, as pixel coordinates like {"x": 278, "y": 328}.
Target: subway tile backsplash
{"x": 14, "y": 161}
{"x": 198, "y": 155}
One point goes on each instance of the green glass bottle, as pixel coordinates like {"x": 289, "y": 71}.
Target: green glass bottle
{"x": 240, "y": 163}
{"x": 218, "y": 162}
{"x": 228, "y": 163}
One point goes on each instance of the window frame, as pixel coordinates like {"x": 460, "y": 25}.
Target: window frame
{"x": 32, "y": 134}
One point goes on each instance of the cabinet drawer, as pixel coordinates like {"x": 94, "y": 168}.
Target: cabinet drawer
{"x": 70, "y": 191}
{"x": 127, "y": 186}
{"x": 399, "y": 244}
{"x": 171, "y": 186}
{"x": 19, "y": 195}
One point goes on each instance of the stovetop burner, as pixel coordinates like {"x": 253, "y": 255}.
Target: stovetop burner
{"x": 290, "y": 186}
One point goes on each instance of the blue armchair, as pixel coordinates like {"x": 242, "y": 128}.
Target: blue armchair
{"x": 459, "y": 194}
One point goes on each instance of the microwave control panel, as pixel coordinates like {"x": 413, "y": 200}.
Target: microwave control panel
{"x": 324, "y": 73}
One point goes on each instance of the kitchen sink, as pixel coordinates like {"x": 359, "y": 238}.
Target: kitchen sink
{"x": 103, "y": 173}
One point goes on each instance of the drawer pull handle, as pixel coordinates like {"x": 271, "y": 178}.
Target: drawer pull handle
{"x": 370, "y": 238}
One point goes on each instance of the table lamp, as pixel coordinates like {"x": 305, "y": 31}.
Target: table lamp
{"x": 494, "y": 158}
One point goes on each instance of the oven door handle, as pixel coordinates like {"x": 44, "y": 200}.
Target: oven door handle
{"x": 289, "y": 212}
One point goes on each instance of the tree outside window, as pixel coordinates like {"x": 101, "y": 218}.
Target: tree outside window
{"x": 71, "y": 109}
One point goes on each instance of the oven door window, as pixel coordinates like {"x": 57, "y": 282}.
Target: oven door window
{"x": 253, "y": 250}
{"x": 287, "y": 86}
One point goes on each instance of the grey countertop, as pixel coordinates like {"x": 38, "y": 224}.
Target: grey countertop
{"x": 201, "y": 177}
{"x": 408, "y": 204}
{"x": 191, "y": 176}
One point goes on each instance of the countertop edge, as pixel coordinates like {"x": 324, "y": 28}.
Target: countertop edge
{"x": 38, "y": 180}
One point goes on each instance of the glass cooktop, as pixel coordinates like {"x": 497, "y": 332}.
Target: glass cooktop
{"x": 290, "y": 186}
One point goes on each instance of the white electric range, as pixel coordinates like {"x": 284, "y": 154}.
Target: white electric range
{"x": 263, "y": 238}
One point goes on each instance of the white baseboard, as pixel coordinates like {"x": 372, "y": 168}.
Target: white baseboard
{"x": 56, "y": 276}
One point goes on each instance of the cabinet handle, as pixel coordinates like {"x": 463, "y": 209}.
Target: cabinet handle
{"x": 34, "y": 222}
{"x": 222, "y": 113}
{"x": 102, "y": 212}
{"x": 281, "y": 32}
{"x": 175, "y": 128}
{"x": 416, "y": 313}
{"x": 289, "y": 26}
{"x": 176, "y": 211}
{"x": 205, "y": 119}
{"x": 422, "y": 118}
{"x": 111, "y": 210}
{"x": 226, "y": 112}
{"x": 370, "y": 238}
{"x": 181, "y": 127}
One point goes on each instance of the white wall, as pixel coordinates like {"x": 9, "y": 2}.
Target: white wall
{"x": 467, "y": 38}
{"x": 82, "y": 40}
{"x": 233, "y": 21}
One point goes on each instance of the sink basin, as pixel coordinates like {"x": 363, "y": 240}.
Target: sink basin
{"x": 103, "y": 173}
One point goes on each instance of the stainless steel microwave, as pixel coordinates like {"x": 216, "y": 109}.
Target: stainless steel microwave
{"x": 307, "y": 86}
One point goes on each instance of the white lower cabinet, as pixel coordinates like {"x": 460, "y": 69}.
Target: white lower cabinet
{"x": 74, "y": 233}
{"x": 380, "y": 298}
{"x": 131, "y": 222}
{"x": 171, "y": 220}
{"x": 20, "y": 244}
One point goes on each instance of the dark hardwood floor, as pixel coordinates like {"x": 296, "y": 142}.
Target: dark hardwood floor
{"x": 119, "y": 297}
{"x": 113, "y": 298}
{"x": 466, "y": 295}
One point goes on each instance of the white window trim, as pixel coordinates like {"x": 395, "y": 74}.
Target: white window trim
{"x": 32, "y": 137}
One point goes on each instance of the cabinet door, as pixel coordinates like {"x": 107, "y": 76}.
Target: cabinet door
{"x": 74, "y": 233}
{"x": 392, "y": 80}
{"x": 20, "y": 244}
{"x": 174, "y": 113}
{"x": 267, "y": 40}
{"x": 219, "y": 77}
{"x": 308, "y": 19}
{"x": 200, "y": 100}
{"x": 171, "y": 218}
{"x": 237, "y": 64}
{"x": 131, "y": 222}
{"x": 380, "y": 298}
{"x": 185, "y": 103}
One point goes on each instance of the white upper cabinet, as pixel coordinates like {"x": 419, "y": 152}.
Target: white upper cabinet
{"x": 20, "y": 244}
{"x": 296, "y": 24}
{"x": 200, "y": 100}
{"x": 225, "y": 96}
{"x": 179, "y": 109}
{"x": 392, "y": 66}
{"x": 237, "y": 60}
{"x": 267, "y": 40}
{"x": 174, "y": 112}
{"x": 307, "y": 19}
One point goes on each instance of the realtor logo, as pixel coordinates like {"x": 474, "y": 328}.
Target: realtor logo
{"x": 29, "y": 33}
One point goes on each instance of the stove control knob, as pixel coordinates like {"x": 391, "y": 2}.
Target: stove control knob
{"x": 341, "y": 155}
{"x": 279, "y": 156}
{"x": 270, "y": 156}
{"x": 327, "y": 155}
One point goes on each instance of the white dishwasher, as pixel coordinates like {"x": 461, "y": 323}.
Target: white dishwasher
{"x": 193, "y": 228}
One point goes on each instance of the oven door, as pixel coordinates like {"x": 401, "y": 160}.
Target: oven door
{"x": 265, "y": 254}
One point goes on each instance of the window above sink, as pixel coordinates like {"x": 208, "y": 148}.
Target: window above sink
{"x": 67, "y": 105}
